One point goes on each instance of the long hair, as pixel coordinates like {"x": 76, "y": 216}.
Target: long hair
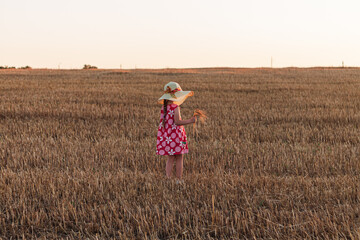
{"x": 165, "y": 111}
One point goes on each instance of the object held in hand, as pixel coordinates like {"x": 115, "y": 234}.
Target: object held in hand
{"x": 202, "y": 117}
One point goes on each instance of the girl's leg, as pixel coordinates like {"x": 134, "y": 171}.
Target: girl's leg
{"x": 169, "y": 166}
{"x": 179, "y": 165}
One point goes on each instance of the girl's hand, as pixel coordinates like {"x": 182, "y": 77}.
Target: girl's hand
{"x": 179, "y": 122}
{"x": 193, "y": 120}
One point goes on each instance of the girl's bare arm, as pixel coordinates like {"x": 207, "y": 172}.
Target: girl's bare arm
{"x": 180, "y": 122}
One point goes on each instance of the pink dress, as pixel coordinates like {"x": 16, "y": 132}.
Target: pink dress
{"x": 171, "y": 139}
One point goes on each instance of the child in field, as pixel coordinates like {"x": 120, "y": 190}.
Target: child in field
{"x": 171, "y": 136}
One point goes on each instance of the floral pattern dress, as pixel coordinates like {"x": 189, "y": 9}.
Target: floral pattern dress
{"x": 171, "y": 139}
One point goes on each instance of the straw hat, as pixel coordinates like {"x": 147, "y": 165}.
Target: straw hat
{"x": 173, "y": 92}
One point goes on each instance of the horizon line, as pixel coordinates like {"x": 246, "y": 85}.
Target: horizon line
{"x": 177, "y": 68}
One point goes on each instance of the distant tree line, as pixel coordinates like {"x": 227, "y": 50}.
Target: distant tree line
{"x": 7, "y": 67}
{"x": 88, "y": 66}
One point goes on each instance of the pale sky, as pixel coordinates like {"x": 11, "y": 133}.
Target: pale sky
{"x": 187, "y": 33}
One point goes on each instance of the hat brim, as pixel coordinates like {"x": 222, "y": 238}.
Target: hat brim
{"x": 181, "y": 96}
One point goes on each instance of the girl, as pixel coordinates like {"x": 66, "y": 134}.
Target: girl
{"x": 171, "y": 137}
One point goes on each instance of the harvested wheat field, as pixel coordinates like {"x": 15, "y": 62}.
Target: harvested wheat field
{"x": 277, "y": 158}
